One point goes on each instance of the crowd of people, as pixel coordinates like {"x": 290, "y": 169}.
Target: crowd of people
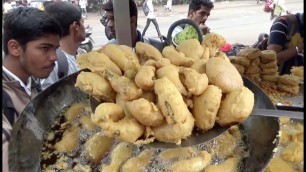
{"x": 35, "y": 42}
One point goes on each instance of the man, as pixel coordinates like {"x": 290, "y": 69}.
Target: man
{"x": 70, "y": 18}
{"x": 30, "y": 40}
{"x": 287, "y": 40}
{"x": 109, "y": 12}
{"x": 83, "y": 4}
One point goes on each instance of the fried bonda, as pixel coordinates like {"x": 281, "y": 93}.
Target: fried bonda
{"x": 191, "y": 48}
{"x": 139, "y": 162}
{"x": 144, "y": 78}
{"x": 176, "y": 58}
{"x": 146, "y": 52}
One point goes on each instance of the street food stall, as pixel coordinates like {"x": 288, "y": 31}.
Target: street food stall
{"x": 149, "y": 114}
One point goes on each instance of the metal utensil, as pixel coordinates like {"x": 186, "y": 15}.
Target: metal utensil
{"x": 278, "y": 113}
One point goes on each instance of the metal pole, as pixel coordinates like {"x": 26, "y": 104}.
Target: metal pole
{"x": 122, "y": 22}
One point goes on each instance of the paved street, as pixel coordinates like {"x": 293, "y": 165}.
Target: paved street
{"x": 237, "y": 21}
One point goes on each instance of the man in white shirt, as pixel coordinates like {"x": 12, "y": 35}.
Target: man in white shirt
{"x": 71, "y": 20}
{"x": 83, "y": 4}
{"x": 151, "y": 18}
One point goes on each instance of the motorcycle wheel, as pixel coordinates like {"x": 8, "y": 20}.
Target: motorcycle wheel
{"x": 87, "y": 47}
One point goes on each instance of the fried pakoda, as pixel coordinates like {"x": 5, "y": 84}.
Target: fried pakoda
{"x": 236, "y": 107}
{"x": 116, "y": 55}
{"x": 172, "y": 73}
{"x": 288, "y": 80}
{"x": 146, "y": 52}
{"x": 223, "y": 74}
{"x": 191, "y": 48}
{"x": 145, "y": 112}
{"x": 95, "y": 85}
{"x": 244, "y": 61}
{"x": 278, "y": 165}
{"x": 176, "y": 153}
{"x": 97, "y": 62}
{"x": 69, "y": 141}
{"x": 294, "y": 152}
{"x": 194, "y": 82}
{"x": 176, "y": 58}
{"x": 250, "y": 53}
{"x": 96, "y": 147}
{"x": 139, "y": 162}
{"x": 144, "y": 78}
{"x": 119, "y": 155}
{"x": 205, "y": 107}
{"x": 298, "y": 71}
{"x": 193, "y": 164}
{"x": 199, "y": 65}
{"x": 170, "y": 101}
{"x": 229, "y": 165}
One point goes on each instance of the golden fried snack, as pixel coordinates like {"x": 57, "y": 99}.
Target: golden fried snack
{"x": 244, "y": 61}
{"x": 254, "y": 77}
{"x": 95, "y": 85}
{"x": 145, "y": 112}
{"x": 222, "y": 55}
{"x": 174, "y": 133}
{"x": 69, "y": 141}
{"x": 284, "y": 120}
{"x": 176, "y": 153}
{"x": 97, "y": 62}
{"x": 205, "y": 107}
{"x": 298, "y": 135}
{"x": 206, "y": 53}
{"x": 73, "y": 111}
{"x": 116, "y": 55}
{"x": 223, "y": 74}
{"x": 119, "y": 155}
{"x": 107, "y": 111}
{"x": 191, "y": 48}
{"x": 229, "y": 165}
{"x": 157, "y": 63}
{"x": 144, "y": 78}
{"x": 271, "y": 70}
{"x": 121, "y": 102}
{"x": 193, "y": 164}
{"x": 225, "y": 144}
{"x": 236, "y": 107}
{"x": 139, "y": 162}
{"x": 250, "y": 53}
{"x": 298, "y": 71}
{"x": 194, "y": 82}
{"x": 96, "y": 147}
{"x": 172, "y": 73}
{"x": 270, "y": 78}
{"x": 278, "y": 165}
{"x": 123, "y": 86}
{"x": 268, "y": 65}
{"x": 215, "y": 39}
{"x": 252, "y": 69}
{"x": 87, "y": 123}
{"x": 294, "y": 152}
{"x": 240, "y": 68}
{"x": 170, "y": 101}
{"x": 267, "y": 56}
{"x": 255, "y": 62}
{"x": 146, "y": 51}
{"x": 199, "y": 65}
{"x": 129, "y": 54}
{"x": 289, "y": 88}
{"x": 288, "y": 80}
{"x": 176, "y": 58}
{"x": 150, "y": 96}
{"x": 285, "y": 137}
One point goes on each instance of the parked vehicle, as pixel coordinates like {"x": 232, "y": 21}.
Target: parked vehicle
{"x": 87, "y": 44}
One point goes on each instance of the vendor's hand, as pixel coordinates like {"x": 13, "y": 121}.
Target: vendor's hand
{"x": 204, "y": 28}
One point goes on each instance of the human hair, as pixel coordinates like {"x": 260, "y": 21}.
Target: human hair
{"x": 196, "y": 4}
{"x": 108, "y": 6}
{"x": 28, "y": 24}
{"x": 65, "y": 13}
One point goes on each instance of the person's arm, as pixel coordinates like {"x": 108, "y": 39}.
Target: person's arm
{"x": 286, "y": 54}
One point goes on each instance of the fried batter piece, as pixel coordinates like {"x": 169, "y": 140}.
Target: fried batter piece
{"x": 95, "y": 85}
{"x": 294, "y": 152}
{"x": 123, "y": 86}
{"x": 146, "y": 51}
{"x": 271, "y": 70}
{"x": 139, "y": 162}
{"x": 194, "y": 82}
{"x": 298, "y": 71}
{"x": 144, "y": 78}
{"x": 250, "y": 53}
{"x": 206, "y": 53}
{"x": 116, "y": 55}
{"x": 191, "y": 48}
{"x": 278, "y": 165}
{"x": 199, "y": 65}
{"x": 244, "y": 61}
{"x": 170, "y": 101}
{"x": 193, "y": 164}
{"x": 271, "y": 64}
{"x": 267, "y": 56}
{"x": 213, "y": 41}
{"x": 288, "y": 80}
{"x": 69, "y": 141}
{"x": 157, "y": 63}
{"x": 289, "y": 88}
{"x": 205, "y": 107}
{"x": 236, "y": 107}
{"x": 172, "y": 73}
{"x": 97, "y": 62}
{"x": 270, "y": 78}
{"x": 240, "y": 68}
{"x": 176, "y": 153}
{"x": 229, "y": 165}
{"x": 145, "y": 112}
{"x": 223, "y": 74}
{"x": 176, "y": 58}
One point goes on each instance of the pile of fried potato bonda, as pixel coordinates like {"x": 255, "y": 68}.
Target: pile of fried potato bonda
{"x": 148, "y": 94}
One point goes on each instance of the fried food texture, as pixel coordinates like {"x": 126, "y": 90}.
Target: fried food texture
{"x": 116, "y": 55}
{"x": 298, "y": 71}
{"x": 205, "y": 107}
{"x": 193, "y": 164}
{"x": 177, "y": 58}
{"x": 146, "y": 52}
{"x": 278, "y": 165}
{"x": 229, "y": 165}
{"x": 200, "y": 65}
{"x": 95, "y": 85}
{"x": 139, "y": 162}
{"x": 191, "y": 48}
{"x": 145, "y": 112}
{"x": 176, "y": 153}
{"x": 144, "y": 78}
{"x": 236, "y": 107}
{"x": 250, "y": 53}
{"x": 216, "y": 40}
{"x": 69, "y": 141}
{"x": 223, "y": 74}
{"x": 97, "y": 62}
{"x": 194, "y": 82}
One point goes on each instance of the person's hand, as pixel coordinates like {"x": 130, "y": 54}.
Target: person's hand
{"x": 204, "y": 28}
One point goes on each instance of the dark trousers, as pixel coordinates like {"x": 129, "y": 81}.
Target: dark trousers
{"x": 148, "y": 24}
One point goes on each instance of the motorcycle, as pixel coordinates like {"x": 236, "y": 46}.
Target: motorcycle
{"x": 87, "y": 44}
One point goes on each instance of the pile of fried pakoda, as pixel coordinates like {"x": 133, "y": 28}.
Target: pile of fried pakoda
{"x": 152, "y": 95}
{"x": 261, "y": 67}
